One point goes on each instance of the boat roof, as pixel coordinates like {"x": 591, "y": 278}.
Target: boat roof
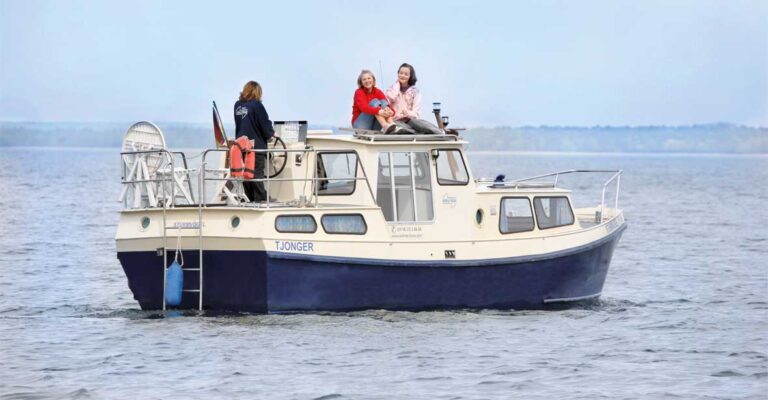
{"x": 382, "y": 139}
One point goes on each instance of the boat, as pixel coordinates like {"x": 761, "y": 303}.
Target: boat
{"x": 357, "y": 220}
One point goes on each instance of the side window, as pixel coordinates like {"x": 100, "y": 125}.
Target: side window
{"x": 552, "y": 212}
{"x": 451, "y": 169}
{"x": 516, "y": 215}
{"x": 404, "y": 189}
{"x": 344, "y": 224}
{"x": 337, "y": 172}
{"x": 295, "y": 224}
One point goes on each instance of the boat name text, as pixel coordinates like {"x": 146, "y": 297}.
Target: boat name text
{"x": 286, "y": 245}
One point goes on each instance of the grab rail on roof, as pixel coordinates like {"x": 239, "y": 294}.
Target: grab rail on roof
{"x": 374, "y": 136}
{"x": 525, "y": 183}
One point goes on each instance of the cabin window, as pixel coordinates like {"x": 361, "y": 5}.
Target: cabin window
{"x": 295, "y": 224}
{"x": 451, "y": 169}
{"x": 344, "y": 224}
{"x": 336, "y": 172}
{"x": 516, "y": 215}
{"x": 404, "y": 189}
{"x": 552, "y": 212}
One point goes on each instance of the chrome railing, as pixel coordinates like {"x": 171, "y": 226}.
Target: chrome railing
{"x": 268, "y": 181}
{"x": 166, "y": 190}
{"x": 530, "y": 182}
{"x": 166, "y": 159}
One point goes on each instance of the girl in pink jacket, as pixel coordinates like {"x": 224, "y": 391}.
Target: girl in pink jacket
{"x": 404, "y": 98}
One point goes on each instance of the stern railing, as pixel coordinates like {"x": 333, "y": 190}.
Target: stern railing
{"x": 161, "y": 190}
{"x": 534, "y": 182}
{"x": 268, "y": 181}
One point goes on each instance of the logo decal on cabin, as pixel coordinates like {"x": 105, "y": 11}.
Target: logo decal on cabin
{"x": 449, "y": 200}
{"x": 188, "y": 225}
{"x": 406, "y": 231}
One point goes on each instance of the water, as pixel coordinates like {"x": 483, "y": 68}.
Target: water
{"x": 684, "y": 312}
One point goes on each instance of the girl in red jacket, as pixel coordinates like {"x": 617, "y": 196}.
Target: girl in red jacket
{"x": 370, "y": 109}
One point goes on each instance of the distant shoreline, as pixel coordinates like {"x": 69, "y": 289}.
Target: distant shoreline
{"x": 721, "y": 138}
{"x": 469, "y": 152}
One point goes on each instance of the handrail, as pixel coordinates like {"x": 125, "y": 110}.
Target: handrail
{"x": 516, "y": 184}
{"x": 168, "y": 158}
{"x": 268, "y": 180}
{"x": 374, "y": 136}
{"x": 184, "y": 161}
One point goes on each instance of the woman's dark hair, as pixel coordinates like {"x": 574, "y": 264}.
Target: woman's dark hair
{"x": 412, "y": 80}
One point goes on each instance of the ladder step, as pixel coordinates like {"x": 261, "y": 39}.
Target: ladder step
{"x": 191, "y": 290}
{"x": 190, "y": 269}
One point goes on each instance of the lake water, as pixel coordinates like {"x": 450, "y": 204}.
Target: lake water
{"x": 684, "y": 311}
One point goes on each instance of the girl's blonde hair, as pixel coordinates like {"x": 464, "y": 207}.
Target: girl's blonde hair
{"x": 251, "y": 91}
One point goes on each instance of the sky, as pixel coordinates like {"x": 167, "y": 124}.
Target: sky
{"x": 490, "y": 63}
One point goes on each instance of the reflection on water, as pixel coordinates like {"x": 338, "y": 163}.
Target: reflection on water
{"x": 684, "y": 311}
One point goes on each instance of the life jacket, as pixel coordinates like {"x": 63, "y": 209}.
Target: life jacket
{"x": 242, "y": 145}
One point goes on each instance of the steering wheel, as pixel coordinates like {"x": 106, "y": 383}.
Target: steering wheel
{"x": 276, "y": 160}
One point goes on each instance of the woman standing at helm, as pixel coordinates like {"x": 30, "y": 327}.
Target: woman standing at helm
{"x": 252, "y": 120}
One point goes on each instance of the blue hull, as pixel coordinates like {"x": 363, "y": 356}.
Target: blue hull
{"x": 258, "y": 281}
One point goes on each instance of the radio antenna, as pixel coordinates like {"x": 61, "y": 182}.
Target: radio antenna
{"x": 381, "y": 71}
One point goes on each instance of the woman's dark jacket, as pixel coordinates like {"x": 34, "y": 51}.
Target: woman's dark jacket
{"x": 252, "y": 120}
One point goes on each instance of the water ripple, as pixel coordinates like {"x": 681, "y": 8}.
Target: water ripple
{"x": 683, "y": 313}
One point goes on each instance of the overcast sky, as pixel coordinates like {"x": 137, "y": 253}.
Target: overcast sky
{"x": 489, "y": 63}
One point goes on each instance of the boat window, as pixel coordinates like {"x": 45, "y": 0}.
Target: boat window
{"x": 451, "y": 169}
{"x": 384, "y": 197}
{"x": 552, "y": 212}
{"x": 340, "y": 169}
{"x": 404, "y": 188}
{"x": 295, "y": 224}
{"x": 344, "y": 224}
{"x": 516, "y": 215}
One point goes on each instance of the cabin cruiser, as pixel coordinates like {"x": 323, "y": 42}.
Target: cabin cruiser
{"x": 358, "y": 220}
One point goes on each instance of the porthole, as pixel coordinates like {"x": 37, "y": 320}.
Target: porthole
{"x": 479, "y": 216}
{"x": 235, "y": 222}
{"x": 145, "y": 223}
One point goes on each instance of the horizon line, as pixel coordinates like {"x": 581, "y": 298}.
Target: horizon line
{"x": 698, "y": 124}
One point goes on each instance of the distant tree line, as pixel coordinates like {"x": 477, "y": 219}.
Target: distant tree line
{"x": 709, "y": 138}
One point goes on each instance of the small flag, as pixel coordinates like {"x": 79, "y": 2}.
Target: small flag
{"x": 218, "y": 128}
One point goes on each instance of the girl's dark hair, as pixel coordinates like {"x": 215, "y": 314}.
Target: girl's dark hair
{"x": 412, "y": 80}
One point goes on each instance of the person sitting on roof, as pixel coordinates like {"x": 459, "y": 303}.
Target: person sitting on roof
{"x": 405, "y": 98}
{"x": 370, "y": 108}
